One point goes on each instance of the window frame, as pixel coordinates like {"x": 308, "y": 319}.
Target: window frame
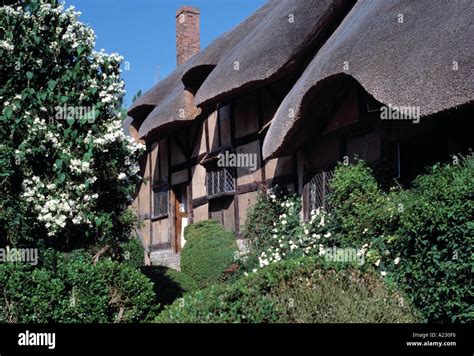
{"x": 323, "y": 176}
{"x": 160, "y": 188}
{"x": 229, "y": 174}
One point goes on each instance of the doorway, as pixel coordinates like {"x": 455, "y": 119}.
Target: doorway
{"x": 181, "y": 214}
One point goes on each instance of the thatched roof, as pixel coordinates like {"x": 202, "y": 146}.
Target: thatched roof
{"x": 267, "y": 45}
{"x": 403, "y": 64}
{"x": 270, "y": 45}
{"x": 171, "y": 101}
{"x": 220, "y": 47}
{"x": 167, "y": 102}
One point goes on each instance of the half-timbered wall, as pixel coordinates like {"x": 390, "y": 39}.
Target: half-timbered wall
{"x": 353, "y": 130}
{"x": 178, "y": 162}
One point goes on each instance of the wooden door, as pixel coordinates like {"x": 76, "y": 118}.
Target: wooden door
{"x": 181, "y": 215}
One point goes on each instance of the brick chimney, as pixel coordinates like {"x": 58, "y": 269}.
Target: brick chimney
{"x": 187, "y": 33}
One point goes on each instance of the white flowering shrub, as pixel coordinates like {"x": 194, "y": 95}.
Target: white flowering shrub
{"x": 291, "y": 237}
{"x": 67, "y": 168}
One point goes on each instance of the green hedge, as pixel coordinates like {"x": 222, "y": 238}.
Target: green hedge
{"x": 423, "y": 237}
{"x": 359, "y": 207}
{"x": 304, "y": 290}
{"x": 169, "y": 284}
{"x": 132, "y": 252}
{"x": 209, "y": 251}
{"x": 72, "y": 289}
{"x": 436, "y": 240}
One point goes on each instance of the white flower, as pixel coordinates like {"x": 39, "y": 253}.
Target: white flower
{"x": 321, "y": 250}
{"x": 77, "y": 220}
{"x": 396, "y": 260}
{"x": 7, "y": 46}
{"x": 122, "y": 176}
{"x": 377, "y": 263}
{"x": 383, "y": 273}
{"x": 321, "y": 223}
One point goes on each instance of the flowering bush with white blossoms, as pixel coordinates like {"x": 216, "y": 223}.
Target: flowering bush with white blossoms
{"x": 293, "y": 238}
{"x": 65, "y": 174}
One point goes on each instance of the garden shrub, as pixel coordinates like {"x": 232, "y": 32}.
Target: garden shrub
{"x": 67, "y": 168}
{"x": 75, "y": 291}
{"x": 208, "y": 252}
{"x": 436, "y": 242}
{"x": 360, "y": 210}
{"x": 301, "y": 290}
{"x": 132, "y": 252}
{"x": 201, "y": 228}
{"x": 260, "y": 218}
{"x": 168, "y": 283}
{"x": 282, "y": 235}
{"x": 421, "y": 238}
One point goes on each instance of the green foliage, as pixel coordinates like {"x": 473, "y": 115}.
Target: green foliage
{"x": 67, "y": 169}
{"x": 421, "y": 238}
{"x": 132, "y": 252}
{"x": 208, "y": 252}
{"x": 281, "y": 235}
{"x": 137, "y": 95}
{"x": 436, "y": 241}
{"x": 201, "y": 228}
{"x": 257, "y": 230}
{"x": 169, "y": 284}
{"x": 68, "y": 289}
{"x": 359, "y": 208}
{"x": 302, "y": 290}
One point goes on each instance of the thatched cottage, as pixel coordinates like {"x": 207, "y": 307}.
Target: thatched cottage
{"x": 289, "y": 92}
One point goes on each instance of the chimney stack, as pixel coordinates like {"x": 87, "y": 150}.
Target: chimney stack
{"x": 187, "y": 33}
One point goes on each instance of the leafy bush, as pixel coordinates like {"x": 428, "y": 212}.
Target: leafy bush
{"x": 201, "y": 228}
{"x": 360, "y": 210}
{"x": 281, "y": 235}
{"x": 302, "y": 290}
{"x": 67, "y": 169}
{"x": 132, "y": 252}
{"x": 65, "y": 290}
{"x": 169, "y": 284}
{"x": 208, "y": 252}
{"x": 260, "y": 218}
{"x": 436, "y": 241}
{"x": 421, "y": 238}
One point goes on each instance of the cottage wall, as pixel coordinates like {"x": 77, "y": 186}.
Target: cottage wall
{"x": 179, "y": 161}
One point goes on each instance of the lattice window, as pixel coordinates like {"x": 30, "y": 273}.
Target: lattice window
{"x": 319, "y": 190}
{"x": 219, "y": 181}
{"x": 160, "y": 201}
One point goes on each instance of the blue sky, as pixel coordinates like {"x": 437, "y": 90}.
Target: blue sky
{"x": 143, "y": 31}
